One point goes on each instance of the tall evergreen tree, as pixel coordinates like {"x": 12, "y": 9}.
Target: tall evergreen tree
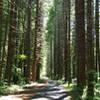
{"x": 27, "y": 41}
{"x": 67, "y": 40}
{"x": 12, "y": 38}
{"x": 80, "y": 43}
{"x": 90, "y": 51}
{"x": 1, "y": 35}
{"x": 37, "y": 41}
{"x": 97, "y": 35}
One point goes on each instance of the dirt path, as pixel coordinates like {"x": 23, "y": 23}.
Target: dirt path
{"x": 51, "y": 91}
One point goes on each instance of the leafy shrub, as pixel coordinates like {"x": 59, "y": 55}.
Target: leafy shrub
{"x": 3, "y": 88}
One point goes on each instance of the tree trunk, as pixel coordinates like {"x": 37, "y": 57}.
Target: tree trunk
{"x": 27, "y": 49}
{"x": 90, "y": 51}
{"x": 65, "y": 39}
{"x": 1, "y": 13}
{"x": 80, "y": 42}
{"x": 11, "y": 41}
{"x": 97, "y": 37}
{"x": 37, "y": 42}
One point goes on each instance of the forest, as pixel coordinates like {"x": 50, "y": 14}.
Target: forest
{"x": 52, "y": 43}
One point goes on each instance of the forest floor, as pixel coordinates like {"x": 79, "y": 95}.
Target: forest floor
{"x": 40, "y": 91}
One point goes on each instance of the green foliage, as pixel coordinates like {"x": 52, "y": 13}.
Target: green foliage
{"x": 50, "y": 24}
{"x": 18, "y": 77}
{"x": 91, "y": 71}
{"x": 6, "y": 89}
{"x": 97, "y": 90}
{"x": 22, "y": 57}
{"x": 3, "y": 88}
{"x": 73, "y": 90}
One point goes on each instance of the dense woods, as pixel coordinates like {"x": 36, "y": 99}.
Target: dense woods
{"x": 59, "y": 39}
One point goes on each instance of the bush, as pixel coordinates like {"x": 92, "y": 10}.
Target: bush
{"x": 3, "y": 88}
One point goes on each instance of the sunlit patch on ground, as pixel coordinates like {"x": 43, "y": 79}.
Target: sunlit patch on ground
{"x": 10, "y": 98}
{"x": 24, "y": 94}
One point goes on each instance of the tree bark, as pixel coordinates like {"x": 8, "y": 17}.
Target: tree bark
{"x": 1, "y": 35}
{"x": 11, "y": 41}
{"x": 27, "y": 48}
{"x": 97, "y": 37}
{"x": 90, "y": 51}
{"x": 80, "y": 44}
{"x": 38, "y": 41}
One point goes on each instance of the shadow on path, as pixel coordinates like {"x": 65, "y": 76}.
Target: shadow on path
{"x": 50, "y": 91}
{"x": 53, "y": 91}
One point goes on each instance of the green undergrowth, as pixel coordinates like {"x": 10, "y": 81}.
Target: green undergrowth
{"x": 97, "y": 90}
{"x": 8, "y": 89}
{"x": 72, "y": 90}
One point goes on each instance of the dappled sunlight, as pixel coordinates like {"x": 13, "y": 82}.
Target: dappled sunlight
{"x": 28, "y": 91}
{"x": 49, "y": 49}
{"x": 10, "y": 98}
{"x": 39, "y": 91}
{"x": 53, "y": 91}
